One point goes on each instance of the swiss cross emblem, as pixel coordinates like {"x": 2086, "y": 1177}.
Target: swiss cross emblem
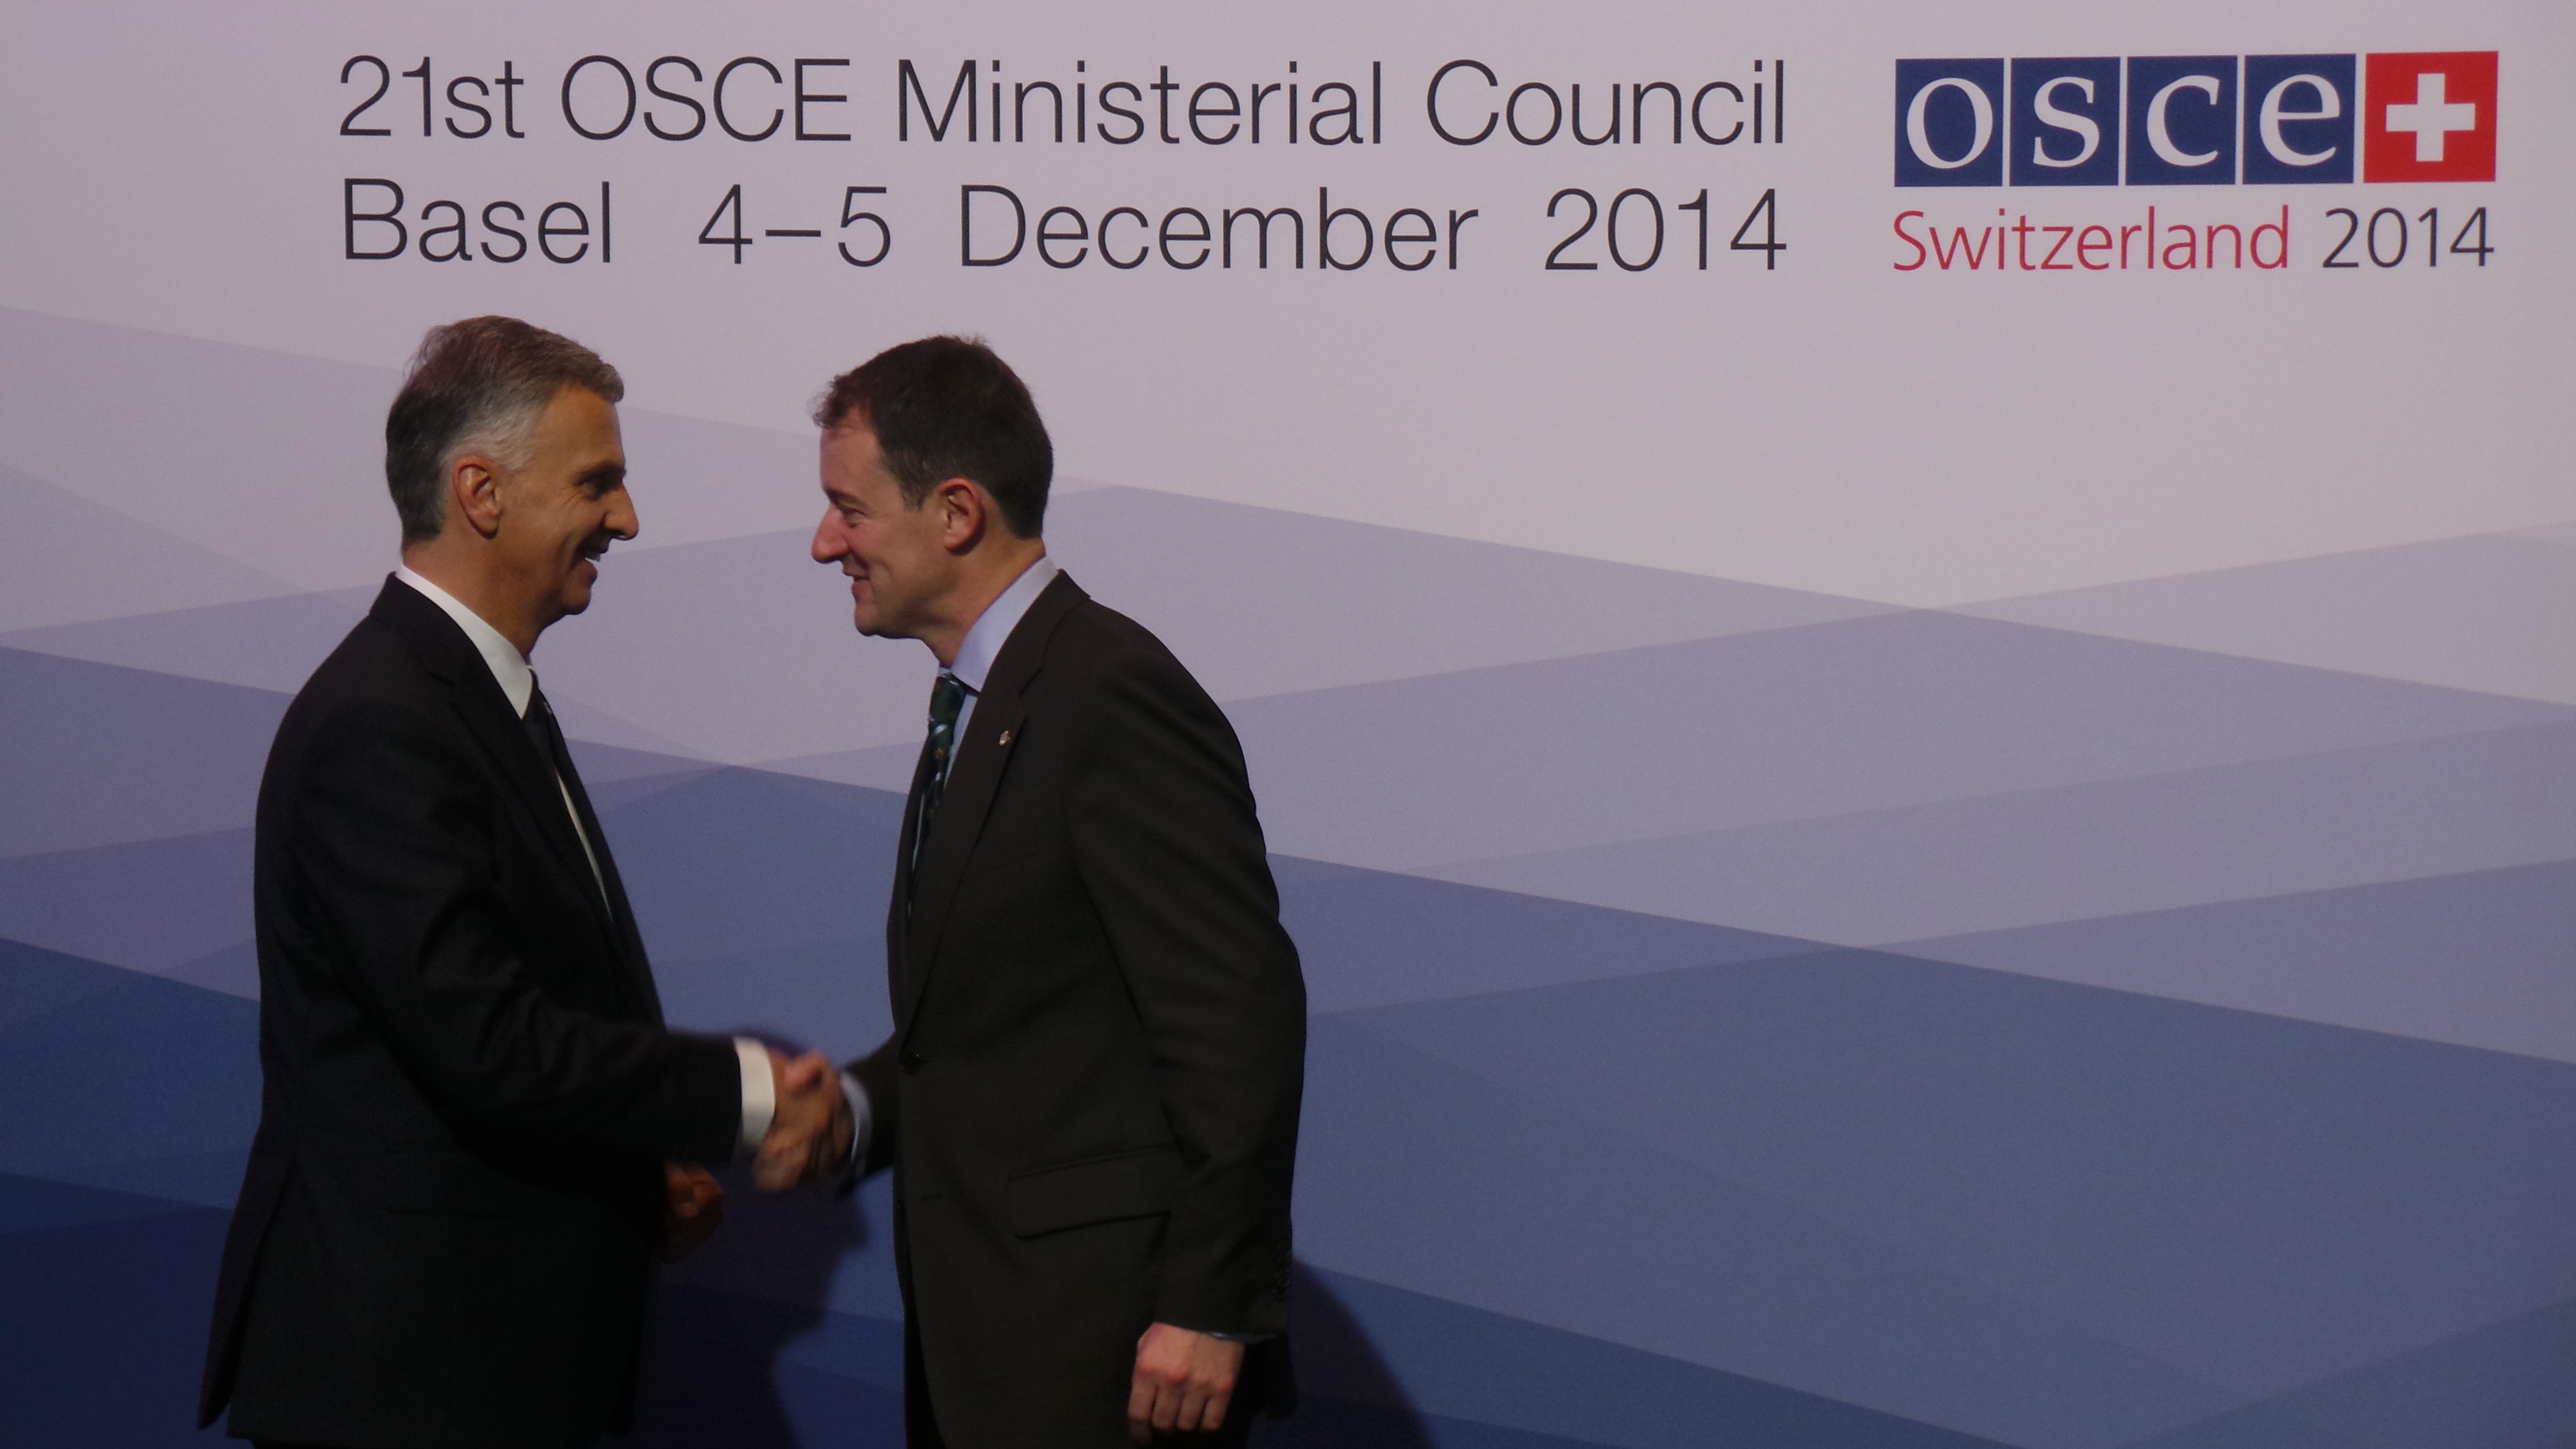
{"x": 2429, "y": 116}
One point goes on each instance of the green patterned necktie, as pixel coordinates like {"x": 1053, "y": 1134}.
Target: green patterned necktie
{"x": 947, "y": 697}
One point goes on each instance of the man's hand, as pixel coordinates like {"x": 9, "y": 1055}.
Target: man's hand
{"x": 692, "y": 1208}
{"x": 1184, "y": 1380}
{"x": 810, "y": 1135}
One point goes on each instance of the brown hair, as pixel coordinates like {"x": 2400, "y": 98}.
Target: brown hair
{"x": 947, "y": 407}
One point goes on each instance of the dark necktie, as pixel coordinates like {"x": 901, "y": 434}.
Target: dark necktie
{"x": 546, "y": 733}
{"x": 947, "y": 697}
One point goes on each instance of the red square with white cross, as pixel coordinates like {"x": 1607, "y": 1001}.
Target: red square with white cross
{"x": 2429, "y": 116}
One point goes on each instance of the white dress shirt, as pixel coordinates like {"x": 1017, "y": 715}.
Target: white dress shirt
{"x": 519, "y": 684}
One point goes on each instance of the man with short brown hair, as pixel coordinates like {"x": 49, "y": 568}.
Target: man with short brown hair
{"x": 1090, "y": 1098}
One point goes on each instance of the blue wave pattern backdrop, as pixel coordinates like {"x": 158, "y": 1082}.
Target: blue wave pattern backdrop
{"x": 2135, "y": 1016}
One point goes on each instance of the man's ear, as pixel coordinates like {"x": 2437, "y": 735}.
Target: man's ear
{"x": 474, "y": 493}
{"x": 963, "y": 514}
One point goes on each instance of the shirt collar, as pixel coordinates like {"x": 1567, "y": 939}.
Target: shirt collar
{"x": 992, "y": 629}
{"x": 509, "y": 667}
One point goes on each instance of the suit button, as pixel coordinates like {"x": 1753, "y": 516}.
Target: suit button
{"x": 910, "y": 1062}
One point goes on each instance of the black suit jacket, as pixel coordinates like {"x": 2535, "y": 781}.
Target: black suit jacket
{"x": 444, "y": 1233}
{"x": 1090, "y": 1099}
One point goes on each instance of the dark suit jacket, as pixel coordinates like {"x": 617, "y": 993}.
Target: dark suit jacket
{"x": 444, "y": 1234}
{"x": 1090, "y": 1099}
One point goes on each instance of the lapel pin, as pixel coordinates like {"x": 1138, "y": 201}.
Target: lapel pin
{"x": 1005, "y": 739}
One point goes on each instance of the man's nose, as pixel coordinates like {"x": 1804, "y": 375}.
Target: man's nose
{"x": 622, "y": 523}
{"x": 827, "y": 547}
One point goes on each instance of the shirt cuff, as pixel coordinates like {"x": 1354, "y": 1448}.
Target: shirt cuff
{"x": 860, "y": 1121}
{"x": 759, "y": 1093}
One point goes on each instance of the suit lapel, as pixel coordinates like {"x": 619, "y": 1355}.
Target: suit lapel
{"x": 622, "y": 930}
{"x": 903, "y": 855}
{"x": 899, "y": 910}
{"x": 974, "y": 780}
{"x": 450, "y": 657}
{"x": 971, "y": 787}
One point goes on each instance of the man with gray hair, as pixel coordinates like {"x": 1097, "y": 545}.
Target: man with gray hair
{"x": 475, "y": 1132}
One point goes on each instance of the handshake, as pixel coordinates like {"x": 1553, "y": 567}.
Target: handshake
{"x": 810, "y": 1133}
{"x": 810, "y": 1136}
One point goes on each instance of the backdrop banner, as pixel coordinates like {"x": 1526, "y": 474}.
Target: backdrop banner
{"x": 1911, "y": 669}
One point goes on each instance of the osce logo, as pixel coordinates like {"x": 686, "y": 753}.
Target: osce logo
{"x": 2196, "y": 120}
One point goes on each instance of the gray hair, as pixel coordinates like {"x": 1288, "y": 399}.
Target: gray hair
{"x": 476, "y": 386}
